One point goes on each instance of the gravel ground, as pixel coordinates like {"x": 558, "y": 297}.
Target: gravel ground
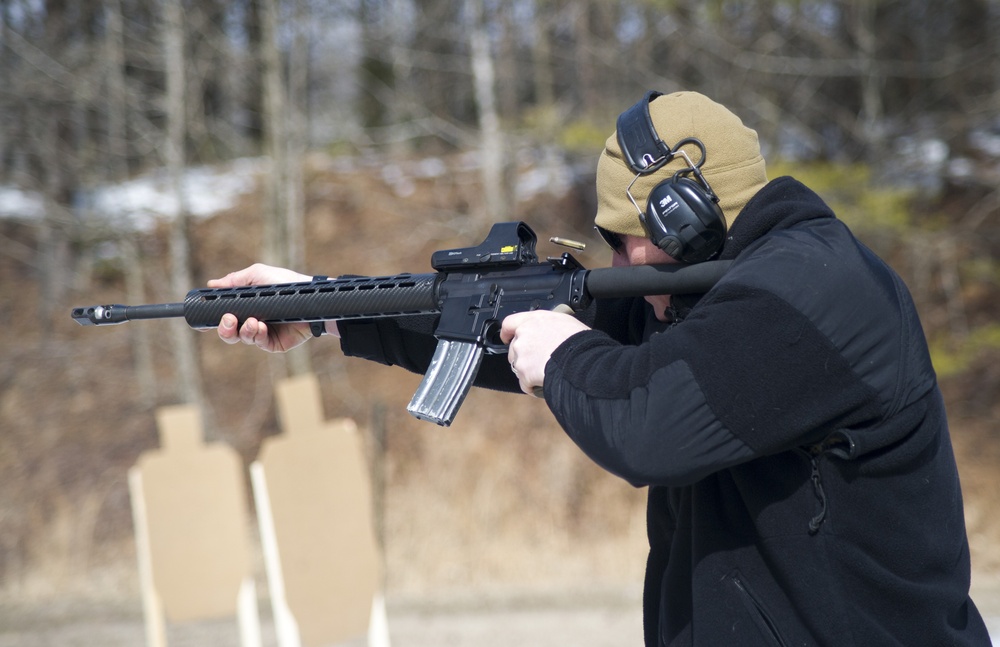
{"x": 526, "y": 623}
{"x": 602, "y": 622}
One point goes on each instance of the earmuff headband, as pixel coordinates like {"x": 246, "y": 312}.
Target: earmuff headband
{"x": 643, "y": 149}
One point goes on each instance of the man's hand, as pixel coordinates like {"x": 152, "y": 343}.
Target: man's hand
{"x": 533, "y": 337}
{"x": 276, "y": 339}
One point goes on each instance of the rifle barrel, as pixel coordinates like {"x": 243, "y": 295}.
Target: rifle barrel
{"x": 643, "y": 280}
{"x": 116, "y": 314}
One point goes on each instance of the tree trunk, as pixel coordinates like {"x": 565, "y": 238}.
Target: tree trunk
{"x": 284, "y": 242}
{"x": 275, "y": 243}
{"x": 188, "y": 379}
{"x": 117, "y": 171}
{"x": 492, "y": 152}
{"x": 298, "y": 93}
{"x": 295, "y": 208}
{"x": 542, "y": 59}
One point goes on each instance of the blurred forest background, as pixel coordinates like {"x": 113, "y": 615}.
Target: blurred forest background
{"x": 148, "y": 145}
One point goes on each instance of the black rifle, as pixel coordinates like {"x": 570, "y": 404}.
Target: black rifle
{"x": 473, "y": 289}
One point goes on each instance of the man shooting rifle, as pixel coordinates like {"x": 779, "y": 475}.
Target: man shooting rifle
{"x": 787, "y": 423}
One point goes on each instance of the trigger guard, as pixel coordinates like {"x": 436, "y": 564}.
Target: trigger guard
{"x": 491, "y": 340}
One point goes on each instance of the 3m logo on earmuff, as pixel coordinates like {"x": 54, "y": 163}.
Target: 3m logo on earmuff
{"x": 682, "y": 213}
{"x": 667, "y": 205}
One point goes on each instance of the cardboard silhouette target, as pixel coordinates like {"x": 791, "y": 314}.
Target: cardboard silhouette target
{"x": 314, "y": 509}
{"x": 190, "y": 507}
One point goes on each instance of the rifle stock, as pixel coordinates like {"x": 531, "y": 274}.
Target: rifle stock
{"x": 472, "y": 290}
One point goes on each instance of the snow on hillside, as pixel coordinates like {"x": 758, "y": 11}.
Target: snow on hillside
{"x": 138, "y": 203}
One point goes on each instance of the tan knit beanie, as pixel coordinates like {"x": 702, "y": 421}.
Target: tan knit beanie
{"x": 734, "y": 166}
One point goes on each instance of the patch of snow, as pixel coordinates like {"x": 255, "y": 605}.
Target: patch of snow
{"x": 138, "y": 203}
{"x": 20, "y": 204}
{"x": 986, "y": 141}
{"x": 550, "y": 174}
{"x": 205, "y": 190}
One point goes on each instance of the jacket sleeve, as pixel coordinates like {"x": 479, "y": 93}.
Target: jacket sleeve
{"x": 746, "y": 374}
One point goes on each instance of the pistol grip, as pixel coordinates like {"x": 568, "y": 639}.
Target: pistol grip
{"x": 538, "y": 391}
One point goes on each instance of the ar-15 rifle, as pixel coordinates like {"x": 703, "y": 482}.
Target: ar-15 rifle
{"x": 473, "y": 289}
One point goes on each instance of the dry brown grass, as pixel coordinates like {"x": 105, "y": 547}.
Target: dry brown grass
{"x": 499, "y": 501}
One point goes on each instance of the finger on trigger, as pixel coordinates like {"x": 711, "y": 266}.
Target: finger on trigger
{"x": 508, "y": 327}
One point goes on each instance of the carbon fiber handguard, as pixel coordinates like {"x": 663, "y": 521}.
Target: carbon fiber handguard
{"x": 345, "y": 298}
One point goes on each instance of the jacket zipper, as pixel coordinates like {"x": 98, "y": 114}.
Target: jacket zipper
{"x": 761, "y": 616}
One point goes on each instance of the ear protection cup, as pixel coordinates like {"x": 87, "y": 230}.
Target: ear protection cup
{"x": 682, "y": 214}
{"x": 684, "y": 221}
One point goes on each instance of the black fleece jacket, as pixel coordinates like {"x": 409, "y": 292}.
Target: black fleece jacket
{"x": 802, "y": 486}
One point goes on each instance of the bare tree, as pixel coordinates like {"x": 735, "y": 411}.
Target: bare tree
{"x": 275, "y": 243}
{"x": 296, "y": 118}
{"x": 541, "y": 66}
{"x": 492, "y": 153}
{"x": 117, "y": 170}
{"x": 284, "y": 233}
{"x": 188, "y": 379}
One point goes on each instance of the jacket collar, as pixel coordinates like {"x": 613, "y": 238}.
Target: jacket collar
{"x": 782, "y": 203}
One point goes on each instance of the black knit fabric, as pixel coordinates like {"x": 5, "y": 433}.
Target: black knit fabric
{"x": 791, "y": 433}
{"x": 802, "y": 488}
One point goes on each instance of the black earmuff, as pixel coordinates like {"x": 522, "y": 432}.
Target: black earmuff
{"x": 682, "y": 213}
